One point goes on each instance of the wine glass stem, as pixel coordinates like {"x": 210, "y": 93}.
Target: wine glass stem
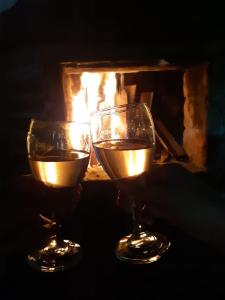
{"x": 56, "y": 228}
{"x": 137, "y": 226}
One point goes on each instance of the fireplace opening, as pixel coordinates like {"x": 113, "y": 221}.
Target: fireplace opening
{"x": 177, "y": 103}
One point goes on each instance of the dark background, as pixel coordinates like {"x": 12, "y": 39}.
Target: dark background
{"x": 176, "y": 30}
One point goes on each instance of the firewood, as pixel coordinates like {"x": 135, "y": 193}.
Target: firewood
{"x": 147, "y": 97}
{"x": 162, "y": 149}
{"x": 131, "y": 92}
{"x": 121, "y": 97}
{"x": 173, "y": 147}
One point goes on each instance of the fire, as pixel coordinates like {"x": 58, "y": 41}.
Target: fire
{"x": 110, "y": 89}
{"x": 77, "y": 135}
{"x": 98, "y": 90}
{"x": 91, "y": 88}
{"x": 86, "y": 101}
{"x": 83, "y": 104}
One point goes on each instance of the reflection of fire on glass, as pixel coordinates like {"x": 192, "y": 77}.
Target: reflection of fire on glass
{"x": 124, "y": 158}
{"x": 56, "y": 166}
{"x": 60, "y": 168}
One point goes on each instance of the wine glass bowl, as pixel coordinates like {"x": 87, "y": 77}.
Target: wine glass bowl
{"x": 124, "y": 140}
{"x": 58, "y": 154}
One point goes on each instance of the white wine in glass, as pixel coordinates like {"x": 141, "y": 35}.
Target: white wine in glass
{"x": 124, "y": 140}
{"x": 58, "y": 154}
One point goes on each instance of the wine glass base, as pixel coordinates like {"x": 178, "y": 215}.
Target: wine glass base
{"x": 144, "y": 249}
{"x": 56, "y": 256}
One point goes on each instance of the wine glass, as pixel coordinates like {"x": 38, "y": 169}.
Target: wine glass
{"x": 124, "y": 140}
{"x": 58, "y": 154}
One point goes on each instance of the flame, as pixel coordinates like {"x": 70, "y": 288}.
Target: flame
{"x": 110, "y": 93}
{"x": 77, "y": 136}
{"x": 83, "y": 104}
{"x": 110, "y": 89}
{"x": 91, "y": 82}
{"x": 79, "y": 107}
{"x": 86, "y": 101}
{"x": 98, "y": 90}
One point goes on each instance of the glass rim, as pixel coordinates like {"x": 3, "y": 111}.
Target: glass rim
{"x": 106, "y": 111}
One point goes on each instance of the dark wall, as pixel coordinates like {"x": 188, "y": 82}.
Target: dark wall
{"x": 154, "y": 29}
{"x": 216, "y": 123}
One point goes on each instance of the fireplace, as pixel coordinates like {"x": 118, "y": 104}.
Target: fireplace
{"x": 176, "y": 94}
